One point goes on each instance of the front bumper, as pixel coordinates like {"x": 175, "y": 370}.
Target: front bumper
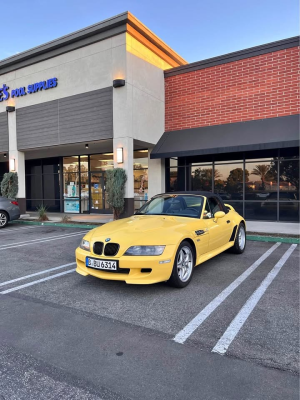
{"x": 135, "y": 265}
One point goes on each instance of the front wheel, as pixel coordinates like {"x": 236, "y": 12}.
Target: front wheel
{"x": 240, "y": 240}
{"x": 3, "y": 219}
{"x": 183, "y": 266}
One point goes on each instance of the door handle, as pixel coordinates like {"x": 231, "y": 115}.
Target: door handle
{"x": 228, "y": 222}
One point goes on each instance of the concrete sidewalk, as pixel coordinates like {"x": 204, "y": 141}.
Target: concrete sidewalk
{"x": 81, "y": 218}
{"x": 274, "y": 228}
{"x": 263, "y": 227}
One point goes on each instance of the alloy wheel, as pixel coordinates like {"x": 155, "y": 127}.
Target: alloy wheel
{"x": 185, "y": 263}
{"x": 242, "y": 237}
{"x": 3, "y": 219}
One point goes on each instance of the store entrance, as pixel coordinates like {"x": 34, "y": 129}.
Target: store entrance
{"x": 98, "y": 203}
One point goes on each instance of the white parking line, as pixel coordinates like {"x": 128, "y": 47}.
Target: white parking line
{"x": 35, "y": 274}
{"x": 5, "y": 231}
{"x": 205, "y": 313}
{"x": 38, "y": 281}
{"x": 237, "y": 323}
{"x": 36, "y": 241}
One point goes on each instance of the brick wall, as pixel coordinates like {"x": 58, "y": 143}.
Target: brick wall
{"x": 260, "y": 87}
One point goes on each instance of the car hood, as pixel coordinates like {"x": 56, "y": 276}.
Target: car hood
{"x": 143, "y": 230}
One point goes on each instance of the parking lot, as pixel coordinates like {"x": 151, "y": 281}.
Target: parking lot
{"x": 66, "y": 336}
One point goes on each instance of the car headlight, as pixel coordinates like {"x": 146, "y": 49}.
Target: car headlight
{"x": 145, "y": 251}
{"x": 85, "y": 245}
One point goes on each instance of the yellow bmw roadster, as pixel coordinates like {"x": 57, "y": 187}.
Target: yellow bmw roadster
{"x": 163, "y": 241}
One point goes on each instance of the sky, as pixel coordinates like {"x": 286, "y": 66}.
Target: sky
{"x": 196, "y": 29}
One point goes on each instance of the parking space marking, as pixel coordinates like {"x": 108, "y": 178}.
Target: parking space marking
{"x": 36, "y": 282}
{"x": 17, "y": 229}
{"x": 36, "y": 241}
{"x": 35, "y": 274}
{"x": 239, "y": 320}
{"x": 186, "y": 332}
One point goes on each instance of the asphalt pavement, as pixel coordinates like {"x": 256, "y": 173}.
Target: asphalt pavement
{"x": 66, "y": 336}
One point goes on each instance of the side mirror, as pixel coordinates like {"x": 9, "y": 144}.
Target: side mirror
{"x": 219, "y": 214}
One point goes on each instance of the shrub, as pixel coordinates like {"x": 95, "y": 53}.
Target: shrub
{"x": 115, "y": 188}
{"x": 66, "y": 218}
{"x": 42, "y": 211}
{"x": 9, "y": 185}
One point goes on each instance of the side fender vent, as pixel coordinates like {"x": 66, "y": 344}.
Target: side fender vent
{"x": 198, "y": 233}
{"x": 233, "y": 234}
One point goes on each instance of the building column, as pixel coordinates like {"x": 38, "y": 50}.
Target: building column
{"x": 126, "y": 143}
{"x": 19, "y": 163}
{"x": 156, "y": 176}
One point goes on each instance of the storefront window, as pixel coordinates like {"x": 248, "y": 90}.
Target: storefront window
{"x": 265, "y": 210}
{"x": 173, "y": 162}
{"x": 3, "y": 170}
{"x": 289, "y": 211}
{"x": 261, "y": 182}
{"x": 201, "y": 177}
{"x": 228, "y": 181}
{"x": 101, "y": 162}
{"x": 289, "y": 180}
{"x": 177, "y": 179}
{"x": 140, "y": 175}
{"x": 267, "y": 188}
{"x": 71, "y": 184}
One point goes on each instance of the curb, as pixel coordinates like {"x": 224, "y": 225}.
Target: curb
{"x": 273, "y": 239}
{"x": 256, "y": 238}
{"x": 58, "y": 224}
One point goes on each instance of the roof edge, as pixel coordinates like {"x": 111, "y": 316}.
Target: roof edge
{"x": 102, "y": 30}
{"x": 235, "y": 56}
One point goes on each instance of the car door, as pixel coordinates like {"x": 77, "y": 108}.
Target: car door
{"x": 219, "y": 230}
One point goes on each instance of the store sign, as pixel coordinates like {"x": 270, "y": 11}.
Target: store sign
{"x": 5, "y": 93}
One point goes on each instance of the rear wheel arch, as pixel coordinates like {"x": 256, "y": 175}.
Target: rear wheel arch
{"x": 4, "y": 218}
{"x": 5, "y": 212}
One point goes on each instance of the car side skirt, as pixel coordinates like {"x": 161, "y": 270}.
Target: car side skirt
{"x": 211, "y": 254}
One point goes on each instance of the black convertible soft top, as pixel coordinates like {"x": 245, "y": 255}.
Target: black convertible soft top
{"x": 199, "y": 193}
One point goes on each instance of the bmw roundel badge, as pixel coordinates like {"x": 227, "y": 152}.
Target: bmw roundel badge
{"x": 107, "y": 239}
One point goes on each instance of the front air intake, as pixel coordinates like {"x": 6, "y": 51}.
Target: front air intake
{"x": 98, "y": 248}
{"x": 111, "y": 249}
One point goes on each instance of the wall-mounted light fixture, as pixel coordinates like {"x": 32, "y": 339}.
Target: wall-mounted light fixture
{"x": 118, "y": 83}
{"x": 10, "y": 109}
{"x": 12, "y": 165}
{"x": 86, "y": 146}
{"x": 4, "y": 155}
{"x": 120, "y": 155}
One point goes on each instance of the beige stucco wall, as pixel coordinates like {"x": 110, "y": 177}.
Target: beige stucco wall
{"x": 79, "y": 71}
{"x": 138, "y": 108}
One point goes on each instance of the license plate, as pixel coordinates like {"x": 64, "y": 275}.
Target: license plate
{"x": 106, "y": 265}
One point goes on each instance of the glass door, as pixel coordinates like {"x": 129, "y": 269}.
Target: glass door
{"x": 98, "y": 197}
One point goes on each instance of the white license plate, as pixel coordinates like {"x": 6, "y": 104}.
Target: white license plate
{"x": 101, "y": 264}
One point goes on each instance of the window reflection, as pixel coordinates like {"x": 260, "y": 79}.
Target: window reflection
{"x": 262, "y": 180}
{"x": 289, "y": 211}
{"x": 177, "y": 179}
{"x": 201, "y": 178}
{"x": 266, "y": 210}
{"x": 229, "y": 181}
{"x": 289, "y": 179}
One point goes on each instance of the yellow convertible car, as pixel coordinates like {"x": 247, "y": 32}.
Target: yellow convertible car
{"x": 163, "y": 241}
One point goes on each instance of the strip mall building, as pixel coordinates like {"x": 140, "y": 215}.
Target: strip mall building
{"x": 115, "y": 95}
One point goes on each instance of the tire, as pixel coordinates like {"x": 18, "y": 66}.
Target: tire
{"x": 240, "y": 240}
{"x": 182, "y": 276}
{"x": 3, "y": 219}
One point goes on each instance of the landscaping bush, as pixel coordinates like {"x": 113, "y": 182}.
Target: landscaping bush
{"x": 9, "y": 185}
{"x": 115, "y": 188}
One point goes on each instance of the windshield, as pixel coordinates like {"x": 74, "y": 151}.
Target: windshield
{"x": 174, "y": 204}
